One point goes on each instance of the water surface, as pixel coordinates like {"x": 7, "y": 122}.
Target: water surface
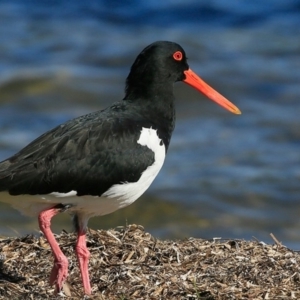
{"x": 225, "y": 175}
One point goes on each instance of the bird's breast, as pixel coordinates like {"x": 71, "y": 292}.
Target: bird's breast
{"x": 128, "y": 192}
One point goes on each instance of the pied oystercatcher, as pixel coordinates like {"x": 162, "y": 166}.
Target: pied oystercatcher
{"x": 105, "y": 160}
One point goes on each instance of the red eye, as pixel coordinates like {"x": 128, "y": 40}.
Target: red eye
{"x": 178, "y": 55}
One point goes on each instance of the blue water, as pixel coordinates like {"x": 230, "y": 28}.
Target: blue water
{"x": 225, "y": 175}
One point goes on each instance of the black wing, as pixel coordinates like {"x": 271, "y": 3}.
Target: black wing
{"x": 87, "y": 154}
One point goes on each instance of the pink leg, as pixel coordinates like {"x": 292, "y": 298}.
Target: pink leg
{"x": 59, "y": 271}
{"x": 83, "y": 255}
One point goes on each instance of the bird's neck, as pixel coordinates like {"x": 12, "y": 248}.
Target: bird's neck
{"x": 156, "y": 104}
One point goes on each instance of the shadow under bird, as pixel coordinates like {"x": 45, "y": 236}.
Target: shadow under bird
{"x": 103, "y": 161}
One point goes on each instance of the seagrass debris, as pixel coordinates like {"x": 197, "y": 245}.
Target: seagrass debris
{"x": 129, "y": 263}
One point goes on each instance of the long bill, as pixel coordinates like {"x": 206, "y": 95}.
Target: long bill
{"x": 196, "y": 82}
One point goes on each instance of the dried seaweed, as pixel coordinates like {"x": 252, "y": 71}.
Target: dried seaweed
{"x": 129, "y": 263}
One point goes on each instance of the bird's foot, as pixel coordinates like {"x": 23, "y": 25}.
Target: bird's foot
{"x": 59, "y": 273}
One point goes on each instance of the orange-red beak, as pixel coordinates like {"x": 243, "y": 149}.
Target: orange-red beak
{"x": 196, "y": 82}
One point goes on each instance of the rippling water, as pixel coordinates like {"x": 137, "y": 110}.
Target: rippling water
{"x": 225, "y": 175}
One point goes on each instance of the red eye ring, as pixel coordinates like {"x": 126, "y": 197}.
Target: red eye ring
{"x": 178, "y": 55}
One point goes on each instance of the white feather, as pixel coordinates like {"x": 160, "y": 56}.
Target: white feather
{"x": 127, "y": 193}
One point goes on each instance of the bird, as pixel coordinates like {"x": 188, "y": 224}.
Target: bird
{"x": 100, "y": 162}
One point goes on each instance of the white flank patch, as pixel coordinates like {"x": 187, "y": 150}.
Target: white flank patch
{"x": 118, "y": 196}
{"x": 128, "y": 192}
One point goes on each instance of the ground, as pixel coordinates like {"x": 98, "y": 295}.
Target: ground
{"x": 129, "y": 263}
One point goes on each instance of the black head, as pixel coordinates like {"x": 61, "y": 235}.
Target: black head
{"x": 157, "y": 67}
{"x": 161, "y": 63}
